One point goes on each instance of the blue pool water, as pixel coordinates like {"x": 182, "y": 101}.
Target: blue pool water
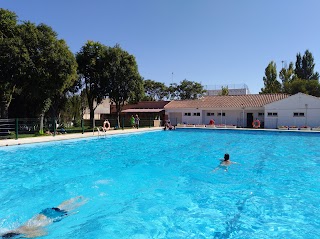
{"x": 160, "y": 185}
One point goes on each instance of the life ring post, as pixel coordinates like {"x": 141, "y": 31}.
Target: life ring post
{"x": 256, "y": 124}
{"x": 211, "y": 122}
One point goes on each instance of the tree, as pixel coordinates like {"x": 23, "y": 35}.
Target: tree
{"x": 287, "y": 74}
{"x": 224, "y": 90}
{"x": 305, "y": 67}
{"x": 173, "y": 91}
{"x": 155, "y": 91}
{"x": 271, "y": 84}
{"x": 52, "y": 67}
{"x": 310, "y": 87}
{"x": 313, "y": 88}
{"x": 13, "y": 59}
{"x": 302, "y": 78}
{"x": 186, "y": 90}
{"x": 74, "y": 108}
{"x": 92, "y": 70}
{"x": 123, "y": 78}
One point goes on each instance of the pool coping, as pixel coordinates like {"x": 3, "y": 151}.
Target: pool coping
{"x": 49, "y": 138}
{"x": 252, "y": 129}
{"x": 42, "y": 139}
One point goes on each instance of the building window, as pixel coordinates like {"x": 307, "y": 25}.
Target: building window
{"x": 187, "y": 114}
{"x": 196, "y": 114}
{"x": 272, "y": 114}
{"x": 210, "y": 114}
{"x": 298, "y": 114}
{"x": 260, "y": 114}
{"x": 223, "y": 114}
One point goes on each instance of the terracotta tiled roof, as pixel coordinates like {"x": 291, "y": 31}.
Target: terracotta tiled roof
{"x": 229, "y": 101}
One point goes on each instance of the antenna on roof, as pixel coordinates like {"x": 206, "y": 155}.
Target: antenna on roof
{"x": 172, "y": 78}
{"x": 284, "y": 64}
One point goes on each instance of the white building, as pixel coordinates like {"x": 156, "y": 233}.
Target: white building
{"x": 238, "y": 110}
{"x": 102, "y": 110}
{"x": 296, "y": 110}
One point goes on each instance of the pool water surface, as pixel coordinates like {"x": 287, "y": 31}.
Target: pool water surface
{"x": 161, "y": 185}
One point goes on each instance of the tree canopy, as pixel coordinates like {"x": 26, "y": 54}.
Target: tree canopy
{"x": 108, "y": 72}
{"x": 155, "y": 91}
{"x": 301, "y": 78}
{"x": 124, "y": 82}
{"x": 305, "y": 67}
{"x": 224, "y": 90}
{"x": 33, "y": 63}
{"x": 92, "y": 71}
{"x": 52, "y": 68}
{"x": 186, "y": 90}
{"x": 271, "y": 84}
{"x": 14, "y": 59}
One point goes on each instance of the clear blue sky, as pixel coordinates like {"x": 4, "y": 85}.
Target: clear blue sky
{"x": 208, "y": 41}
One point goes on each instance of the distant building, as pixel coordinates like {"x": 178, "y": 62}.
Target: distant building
{"x": 299, "y": 110}
{"x": 145, "y": 109}
{"x": 101, "y": 111}
{"x": 237, "y": 110}
{"x": 234, "y": 89}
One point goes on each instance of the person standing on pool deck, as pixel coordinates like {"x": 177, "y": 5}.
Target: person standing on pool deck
{"x": 132, "y": 121}
{"x": 34, "y": 227}
{"x": 225, "y": 163}
{"x": 137, "y": 121}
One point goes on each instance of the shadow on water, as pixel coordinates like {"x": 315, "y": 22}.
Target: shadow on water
{"x": 233, "y": 225}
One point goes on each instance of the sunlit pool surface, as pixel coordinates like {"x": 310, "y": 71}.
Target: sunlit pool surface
{"x": 160, "y": 185}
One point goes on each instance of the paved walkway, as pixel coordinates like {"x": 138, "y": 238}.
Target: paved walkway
{"x": 40, "y": 139}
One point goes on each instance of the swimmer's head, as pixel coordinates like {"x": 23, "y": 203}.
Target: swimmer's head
{"x": 226, "y": 157}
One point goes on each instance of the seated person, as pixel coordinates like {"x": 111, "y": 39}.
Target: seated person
{"x": 168, "y": 126}
{"x": 63, "y": 131}
{"x": 225, "y": 163}
{"x": 34, "y": 227}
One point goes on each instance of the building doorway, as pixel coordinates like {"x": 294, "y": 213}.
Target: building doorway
{"x": 249, "y": 120}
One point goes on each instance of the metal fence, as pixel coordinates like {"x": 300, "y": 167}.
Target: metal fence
{"x": 7, "y": 126}
{"x": 30, "y": 127}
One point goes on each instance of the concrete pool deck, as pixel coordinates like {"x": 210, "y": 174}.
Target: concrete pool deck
{"x": 49, "y": 138}
{"x": 41, "y": 139}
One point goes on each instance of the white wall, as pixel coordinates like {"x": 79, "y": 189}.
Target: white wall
{"x": 232, "y": 116}
{"x": 86, "y": 116}
{"x": 298, "y": 103}
{"x": 103, "y": 108}
{"x": 185, "y": 119}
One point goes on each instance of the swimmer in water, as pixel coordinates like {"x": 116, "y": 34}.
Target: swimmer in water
{"x": 34, "y": 227}
{"x": 225, "y": 163}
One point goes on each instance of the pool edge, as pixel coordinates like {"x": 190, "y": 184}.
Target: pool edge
{"x": 43, "y": 139}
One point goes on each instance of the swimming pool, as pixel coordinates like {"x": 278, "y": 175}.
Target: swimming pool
{"x": 160, "y": 185}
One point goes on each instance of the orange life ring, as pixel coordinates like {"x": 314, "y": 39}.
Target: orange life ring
{"x": 105, "y": 128}
{"x": 211, "y": 122}
{"x": 256, "y": 124}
